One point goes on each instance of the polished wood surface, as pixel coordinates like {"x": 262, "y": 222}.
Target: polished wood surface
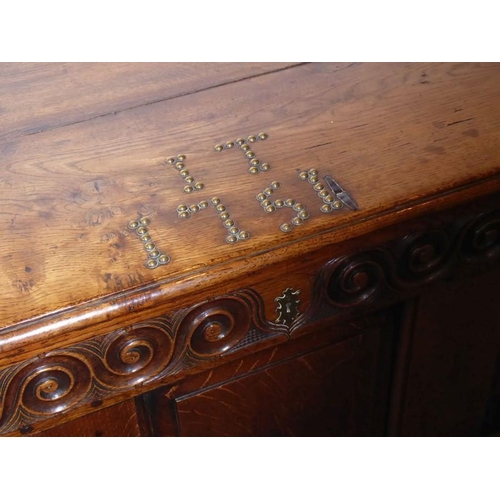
{"x": 309, "y": 388}
{"x": 120, "y": 420}
{"x": 393, "y": 135}
{"x": 86, "y": 325}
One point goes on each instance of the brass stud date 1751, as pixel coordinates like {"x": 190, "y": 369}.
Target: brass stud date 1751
{"x": 333, "y": 197}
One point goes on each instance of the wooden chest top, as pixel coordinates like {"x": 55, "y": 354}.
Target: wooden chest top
{"x": 85, "y": 149}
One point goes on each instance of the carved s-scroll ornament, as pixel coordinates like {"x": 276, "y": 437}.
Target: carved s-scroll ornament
{"x": 481, "y": 240}
{"x": 215, "y": 326}
{"x": 129, "y": 358}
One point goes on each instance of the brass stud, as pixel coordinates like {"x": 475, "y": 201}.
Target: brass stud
{"x": 188, "y": 189}
{"x": 232, "y": 238}
{"x": 337, "y": 204}
{"x": 146, "y": 238}
{"x": 179, "y": 166}
{"x": 326, "y": 208}
{"x": 141, "y": 230}
{"x": 298, "y": 207}
{"x": 249, "y": 154}
{"x": 240, "y": 141}
{"x": 270, "y": 209}
{"x": 234, "y": 230}
{"x": 303, "y": 176}
{"x": 251, "y": 138}
{"x": 268, "y": 191}
{"x": 151, "y": 263}
{"x": 163, "y": 259}
{"x": 220, "y": 208}
{"x": 255, "y": 161}
{"x": 312, "y": 171}
{"x": 290, "y": 202}
{"x": 261, "y": 197}
{"x": 170, "y": 160}
{"x": 313, "y": 179}
{"x": 274, "y": 185}
{"x": 145, "y": 221}
{"x": 224, "y": 215}
{"x": 266, "y": 203}
{"x": 263, "y": 136}
{"x": 215, "y": 201}
{"x": 194, "y": 208}
{"x": 318, "y": 186}
{"x": 203, "y": 204}
{"x": 199, "y": 185}
{"x": 245, "y": 147}
{"x": 133, "y": 224}
{"x": 253, "y": 170}
{"x": 303, "y": 214}
{"x": 189, "y": 179}
{"x": 265, "y": 167}
{"x": 149, "y": 247}
{"x": 279, "y": 203}
{"x": 229, "y": 145}
{"x": 181, "y": 157}
{"x": 183, "y": 215}
{"x": 228, "y": 223}
{"x": 182, "y": 208}
{"x": 219, "y": 148}
{"x": 244, "y": 235}
{"x": 154, "y": 254}
{"x": 329, "y": 198}
{"x": 297, "y": 221}
{"x": 323, "y": 193}
{"x": 286, "y": 227}
{"x": 184, "y": 173}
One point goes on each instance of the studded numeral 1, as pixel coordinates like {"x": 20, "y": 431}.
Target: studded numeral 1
{"x": 234, "y": 235}
{"x": 271, "y": 206}
{"x": 245, "y": 145}
{"x": 155, "y": 257}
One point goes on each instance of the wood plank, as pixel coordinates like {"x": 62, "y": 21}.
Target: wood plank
{"x": 35, "y": 97}
{"x": 394, "y": 135}
{"x": 115, "y": 421}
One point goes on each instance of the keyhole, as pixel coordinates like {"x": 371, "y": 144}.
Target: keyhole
{"x": 288, "y": 306}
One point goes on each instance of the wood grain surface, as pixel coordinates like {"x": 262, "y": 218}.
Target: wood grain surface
{"x": 398, "y": 137}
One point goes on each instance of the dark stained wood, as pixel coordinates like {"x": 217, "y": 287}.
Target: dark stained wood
{"x": 338, "y": 389}
{"x": 339, "y": 283}
{"x": 453, "y": 373}
{"x": 116, "y": 421}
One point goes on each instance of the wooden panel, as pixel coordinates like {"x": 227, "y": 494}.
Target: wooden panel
{"x": 66, "y": 195}
{"x": 340, "y": 389}
{"x": 119, "y": 421}
{"x": 36, "y": 97}
{"x": 453, "y": 386}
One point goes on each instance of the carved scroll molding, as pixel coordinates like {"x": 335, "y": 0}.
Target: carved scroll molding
{"x": 146, "y": 354}
{"x": 130, "y": 358}
{"x": 393, "y": 271}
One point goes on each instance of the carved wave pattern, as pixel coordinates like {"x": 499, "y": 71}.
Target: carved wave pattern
{"x": 88, "y": 372}
{"x": 402, "y": 265}
{"x": 130, "y": 358}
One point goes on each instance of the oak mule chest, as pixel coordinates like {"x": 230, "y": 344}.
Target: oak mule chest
{"x": 276, "y": 249}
